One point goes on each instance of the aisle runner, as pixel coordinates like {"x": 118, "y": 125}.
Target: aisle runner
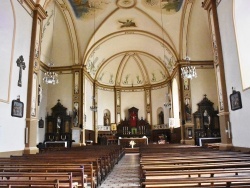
{"x": 125, "y": 174}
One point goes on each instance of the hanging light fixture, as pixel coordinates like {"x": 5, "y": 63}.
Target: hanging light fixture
{"x": 188, "y": 71}
{"x": 94, "y": 107}
{"x": 51, "y": 77}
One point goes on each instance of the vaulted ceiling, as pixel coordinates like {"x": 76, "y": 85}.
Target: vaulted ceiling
{"x": 125, "y": 42}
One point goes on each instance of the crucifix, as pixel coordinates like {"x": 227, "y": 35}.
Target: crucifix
{"x": 21, "y": 64}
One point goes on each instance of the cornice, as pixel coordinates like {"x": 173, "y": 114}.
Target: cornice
{"x": 30, "y": 3}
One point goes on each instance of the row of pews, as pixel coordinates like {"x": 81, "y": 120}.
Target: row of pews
{"x": 73, "y": 167}
{"x": 191, "y": 166}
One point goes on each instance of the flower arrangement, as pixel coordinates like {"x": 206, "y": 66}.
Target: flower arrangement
{"x": 132, "y": 143}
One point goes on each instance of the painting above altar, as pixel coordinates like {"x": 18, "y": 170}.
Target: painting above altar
{"x": 133, "y": 127}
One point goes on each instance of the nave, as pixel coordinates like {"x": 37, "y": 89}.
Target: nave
{"x": 125, "y": 174}
{"x": 149, "y": 166}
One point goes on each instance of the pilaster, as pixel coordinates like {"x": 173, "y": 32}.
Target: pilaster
{"x": 225, "y": 129}
{"x": 32, "y": 93}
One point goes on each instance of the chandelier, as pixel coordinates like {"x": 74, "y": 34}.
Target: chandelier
{"x": 51, "y": 77}
{"x": 94, "y": 107}
{"x": 188, "y": 71}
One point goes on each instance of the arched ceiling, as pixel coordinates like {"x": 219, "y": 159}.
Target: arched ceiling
{"x": 127, "y": 42}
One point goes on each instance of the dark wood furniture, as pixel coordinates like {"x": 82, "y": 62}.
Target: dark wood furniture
{"x": 206, "y": 121}
{"x": 58, "y": 125}
{"x": 133, "y": 127}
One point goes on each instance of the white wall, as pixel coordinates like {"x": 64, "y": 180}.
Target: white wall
{"x": 242, "y": 30}
{"x": 176, "y": 104}
{"x": 240, "y": 118}
{"x": 12, "y": 128}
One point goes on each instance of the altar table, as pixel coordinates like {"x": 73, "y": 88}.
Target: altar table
{"x": 124, "y": 142}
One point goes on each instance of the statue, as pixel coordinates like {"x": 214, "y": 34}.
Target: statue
{"x": 106, "y": 119}
{"x": 206, "y": 118}
{"x": 58, "y": 125}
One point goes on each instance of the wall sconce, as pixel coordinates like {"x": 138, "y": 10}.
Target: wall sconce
{"x": 94, "y": 107}
{"x": 167, "y": 105}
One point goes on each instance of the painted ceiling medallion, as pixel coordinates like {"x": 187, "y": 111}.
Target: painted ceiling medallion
{"x": 126, "y": 3}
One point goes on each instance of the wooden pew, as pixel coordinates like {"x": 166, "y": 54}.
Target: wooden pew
{"x": 94, "y": 162}
{"x": 227, "y": 181}
{"x": 63, "y": 179}
{"x": 166, "y": 166}
{"x": 77, "y": 173}
{"x": 30, "y": 183}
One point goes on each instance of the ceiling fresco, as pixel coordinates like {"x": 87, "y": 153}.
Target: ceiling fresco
{"x": 85, "y": 7}
{"x": 128, "y": 43}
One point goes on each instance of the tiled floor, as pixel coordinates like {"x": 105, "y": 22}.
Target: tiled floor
{"x": 125, "y": 174}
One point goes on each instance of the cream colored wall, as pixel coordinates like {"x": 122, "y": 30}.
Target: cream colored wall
{"x": 42, "y": 113}
{"x": 12, "y": 128}
{"x": 158, "y": 99}
{"x": 130, "y": 99}
{"x": 56, "y": 46}
{"x": 198, "y": 42}
{"x": 62, "y": 91}
{"x": 88, "y": 93}
{"x": 205, "y": 83}
{"x": 106, "y": 102}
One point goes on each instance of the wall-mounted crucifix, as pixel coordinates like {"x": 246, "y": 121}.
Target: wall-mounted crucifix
{"x": 21, "y": 64}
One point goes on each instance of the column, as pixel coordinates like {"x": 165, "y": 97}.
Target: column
{"x": 32, "y": 94}
{"x": 226, "y": 139}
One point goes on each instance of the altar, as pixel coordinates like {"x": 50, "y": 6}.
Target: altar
{"x": 125, "y": 142}
{"x": 132, "y": 126}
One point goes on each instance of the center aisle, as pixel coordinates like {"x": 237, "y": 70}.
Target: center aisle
{"x": 125, "y": 174}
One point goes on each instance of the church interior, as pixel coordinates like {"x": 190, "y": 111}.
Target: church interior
{"x": 137, "y": 80}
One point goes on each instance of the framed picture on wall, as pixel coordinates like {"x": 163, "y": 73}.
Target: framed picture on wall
{"x": 17, "y": 108}
{"x": 235, "y": 100}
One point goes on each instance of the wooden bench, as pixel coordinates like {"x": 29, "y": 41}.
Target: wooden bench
{"x": 30, "y": 183}
{"x": 226, "y": 181}
{"x": 166, "y": 166}
{"x": 77, "y": 173}
{"x": 63, "y": 179}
